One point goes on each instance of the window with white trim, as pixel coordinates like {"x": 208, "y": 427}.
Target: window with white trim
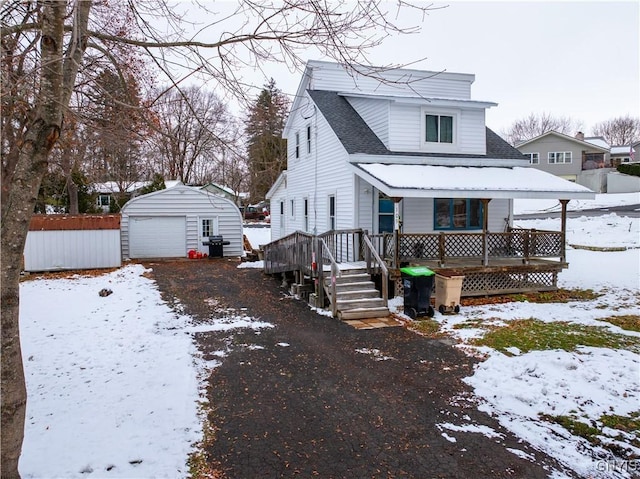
{"x": 534, "y": 158}
{"x": 292, "y": 204}
{"x": 308, "y": 139}
{"x": 297, "y": 144}
{"x": 559, "y": 157}
{"x": 306, "y": 214}
{"x": 438, "y": 128}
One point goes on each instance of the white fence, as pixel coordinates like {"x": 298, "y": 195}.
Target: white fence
{"x": 64, "y": 242}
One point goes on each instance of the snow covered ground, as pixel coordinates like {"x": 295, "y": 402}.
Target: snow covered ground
{"x": 114, "y": 382}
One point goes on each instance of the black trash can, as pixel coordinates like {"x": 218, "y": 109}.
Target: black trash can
{"x": 417, "y": 282}
{"x": 216, "y": 246}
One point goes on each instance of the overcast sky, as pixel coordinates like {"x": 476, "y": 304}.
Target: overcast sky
{"x": 573, "y": 58}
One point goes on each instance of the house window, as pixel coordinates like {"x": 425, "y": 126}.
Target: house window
{"x": 332, "y": 212}
{"x": 207, "y": 228}
{"x": 534, "y": 158}
{"x": 306, "y": 214}
{"x": 385, "y": 214}
{"x": 308, "y": 139}
{"x": 557, "y": 157}
{"x": 457, "y": 213}
{"x": 292, "y": 204}
{"x": 297, "y": 145}
{"x": 104, "y": 200}
{"x": 438, "y": 128}
{"x": 282, "y": 208}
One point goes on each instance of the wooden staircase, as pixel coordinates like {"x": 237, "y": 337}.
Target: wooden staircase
{"x": 357, "y": 296}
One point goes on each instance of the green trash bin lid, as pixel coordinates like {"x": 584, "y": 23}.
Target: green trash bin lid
{"x": 417, "y": 271}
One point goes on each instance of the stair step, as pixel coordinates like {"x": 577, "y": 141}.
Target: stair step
{"x": 355, "y": 286}
{"x": 350, "y": 278}
{"x": 364, "y": 313}
{"x": 343, "y": 305}
{"x": 357, "y": 294}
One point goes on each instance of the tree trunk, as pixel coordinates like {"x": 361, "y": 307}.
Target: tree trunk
{"x": 57, "y": 77}
{"x": 72, "y": 192}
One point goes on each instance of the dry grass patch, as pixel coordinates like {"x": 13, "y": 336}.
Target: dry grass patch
{"x": 535, "y": 335}
{"x": 630, "y": 322}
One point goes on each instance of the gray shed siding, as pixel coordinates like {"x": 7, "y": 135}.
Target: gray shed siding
{"x": 192, "y": 204}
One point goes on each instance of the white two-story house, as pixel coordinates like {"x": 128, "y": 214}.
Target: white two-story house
{"x": 401, "y": 152}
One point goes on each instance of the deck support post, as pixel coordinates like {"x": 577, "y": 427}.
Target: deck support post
{"x": 563, "y": 231}
{"x": 397, "y": 226}
{"x": 485, "y": 230}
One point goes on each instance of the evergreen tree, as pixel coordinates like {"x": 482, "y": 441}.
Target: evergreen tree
{"x": 266, "y": 149}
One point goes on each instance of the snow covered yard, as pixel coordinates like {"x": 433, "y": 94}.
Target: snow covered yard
{"x": 114, "y": 381}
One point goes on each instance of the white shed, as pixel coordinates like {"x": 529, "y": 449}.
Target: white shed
{"x": 171, "y": 222}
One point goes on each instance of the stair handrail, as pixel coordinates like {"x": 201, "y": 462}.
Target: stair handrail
{"x": 370, "y": 251}
{"x": 335, "y": 273}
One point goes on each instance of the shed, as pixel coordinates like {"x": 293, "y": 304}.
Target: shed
{"x": 69, "y": 242}
{"x": 170, "y": 222}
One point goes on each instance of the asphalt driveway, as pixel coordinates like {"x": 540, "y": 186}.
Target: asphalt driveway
{"x": 313, "y": 397}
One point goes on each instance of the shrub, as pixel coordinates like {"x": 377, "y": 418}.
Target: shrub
{"x": 629, "y": 169}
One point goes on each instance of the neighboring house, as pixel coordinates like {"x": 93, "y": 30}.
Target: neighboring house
{"x": 171, "y": 222}
{"x": 409, "y": 155}
{"x": 622, "y": 154}
{"x": 113, "y": 189}
{"x": 237, "y": 197}
{"x": 569, "y": 157}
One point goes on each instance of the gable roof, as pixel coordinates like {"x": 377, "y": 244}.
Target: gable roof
{"x": 562, "y": 136}
{"x": 358, "y": 138}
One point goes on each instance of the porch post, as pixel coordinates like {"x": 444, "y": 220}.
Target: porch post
{"x": 485, "y": 228}
{"x": 397, "y": 226}
{"x": 563, "y": 230}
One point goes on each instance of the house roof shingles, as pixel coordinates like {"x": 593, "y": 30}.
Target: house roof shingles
{"x": 357, "y": 137}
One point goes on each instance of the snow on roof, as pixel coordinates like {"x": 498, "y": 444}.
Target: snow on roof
{"x": 468, "y": 182}
{"x": 621, "y": 150}
{"x": 598, "y": 141}
{"x": 115, "y": 187}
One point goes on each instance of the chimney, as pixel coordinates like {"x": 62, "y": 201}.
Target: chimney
{"x": 580, "y": 136}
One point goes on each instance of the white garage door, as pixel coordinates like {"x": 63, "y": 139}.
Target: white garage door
{"x": 157, "y": 237}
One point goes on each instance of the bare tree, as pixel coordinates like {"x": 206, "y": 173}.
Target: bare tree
{"x": 620, "y": 131}
{"x": 192, "y": 129}
{"x": 536, "y": 125}
{"x": 47, "y": 44}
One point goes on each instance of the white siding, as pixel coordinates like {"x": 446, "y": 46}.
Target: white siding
{"x": 62, "y": 250}
{"x": 316, "y": 176}
{"x": 192, "y": 204}
{"x": 365, "y": 205}
{"x": 332, "y": 77}
{"x": 375, "y": 113}
{"x": 406, "y": 129}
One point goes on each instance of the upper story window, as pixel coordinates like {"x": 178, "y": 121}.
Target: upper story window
{"x": 438, "y": 128}
{"x": 534, "y": 158}
{"x": 308, "y": 139}
{"x": 297, "y": 144}
{"x": 557, "y": 157}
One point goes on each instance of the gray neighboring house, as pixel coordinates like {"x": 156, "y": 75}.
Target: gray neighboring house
{"x": 170, "y": 222}
{"x": 585, "y": 161}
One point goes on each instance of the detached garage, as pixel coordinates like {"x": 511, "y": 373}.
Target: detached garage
{"x": 169, "y": 223}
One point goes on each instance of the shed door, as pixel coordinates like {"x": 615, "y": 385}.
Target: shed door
{"x": 208, "y": 227}
{"x": 157, "y": 237}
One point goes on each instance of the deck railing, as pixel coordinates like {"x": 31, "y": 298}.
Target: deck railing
{"x": 525, "y": 244}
